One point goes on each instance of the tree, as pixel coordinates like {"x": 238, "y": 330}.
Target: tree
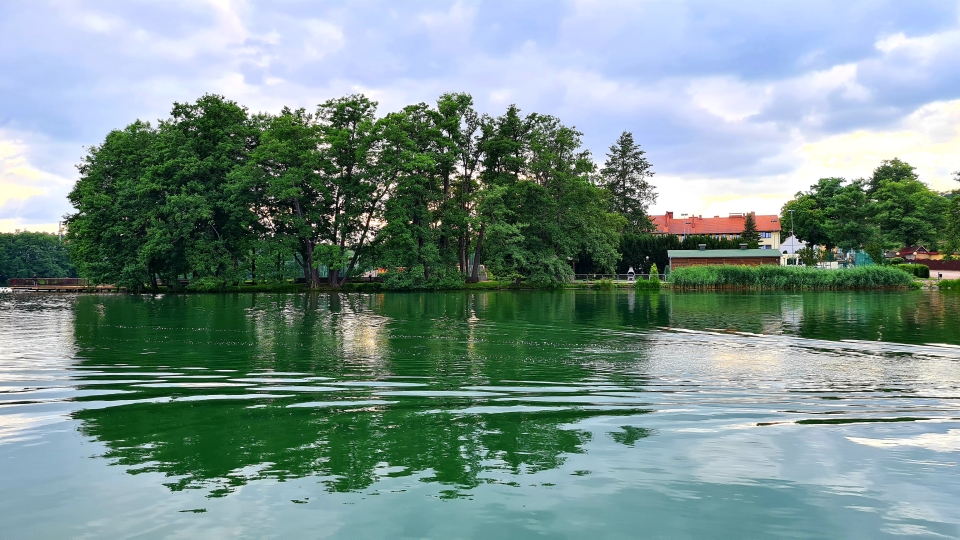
{"x": 538, "y": 209}
{"x": 294, "y": 200}
{"x": 114, "y": 213}
{"x": 26, "y": 254}
{"x": 625, "y": 175}
{"x": 202, "y": 222}
{"x": 750, "y": 234}
{"x": 904, "y": 208}
{"x": 414, "y": 243}
{"x": 952, "y": 243}
{"x": 810, "y": 255}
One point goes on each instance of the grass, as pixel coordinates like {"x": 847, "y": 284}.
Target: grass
{"x": 789, "y": 278}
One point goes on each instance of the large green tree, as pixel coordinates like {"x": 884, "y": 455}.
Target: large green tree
{"x": 540, "y": 207}
{"x": 114, "y": 213}
{"x": 626, "y": 176}
{"x": 904, "y": 208}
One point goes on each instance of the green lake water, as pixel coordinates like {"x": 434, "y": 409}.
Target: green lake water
{"x": 480, "y": 415}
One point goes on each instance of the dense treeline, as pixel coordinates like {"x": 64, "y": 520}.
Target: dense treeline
{"x": 889, "y": 210}
{"x": 214, "y": 194}
{"x": 26, "y": 254}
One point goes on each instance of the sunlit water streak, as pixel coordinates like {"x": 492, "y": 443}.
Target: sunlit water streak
{"x": 477, "y": 415}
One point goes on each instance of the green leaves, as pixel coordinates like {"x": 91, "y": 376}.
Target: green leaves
{"x": 625, "y": 175}
{"x": 890, "y": 210}
{"x": 218, "y": 196}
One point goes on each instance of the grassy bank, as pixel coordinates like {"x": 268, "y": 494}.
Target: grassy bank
{"x": 789, "y": 278}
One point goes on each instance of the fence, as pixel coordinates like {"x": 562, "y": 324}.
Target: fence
{"x": 615, "y": 277}
{"x": 939, "y": 265}
{"x": 63, "y": 282}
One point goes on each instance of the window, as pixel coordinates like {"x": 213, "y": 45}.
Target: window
{"x": 766, "y": 235}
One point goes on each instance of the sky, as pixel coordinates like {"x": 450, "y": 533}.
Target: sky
{"x": 738, "y": 104}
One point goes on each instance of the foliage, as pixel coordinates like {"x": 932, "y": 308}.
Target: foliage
{"x": 429, "y": 193}
{"x": 788, "y": 277}
{"x": 26, "y": 254}
{"x": 949, "y": 284}
{"x": 952, "y": 236}
{"x": 538, "y": 207}
{"x": 916, "y": 270}
{"x": 646, "y": 285}
{"x": 654, "y": 273}
{"x": 809, "y": 256}
{"x": 625, "y": 175}
{"x": 649, "y": 284}
{"x": 605, "y": 285}
{"x": 891, "y": 209}
{"x": 750, "y": 234}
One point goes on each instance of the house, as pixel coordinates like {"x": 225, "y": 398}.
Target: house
{"x": 918, "y": 253}
{"x": 728, "y": 228}
{"x": 680, "y": 258}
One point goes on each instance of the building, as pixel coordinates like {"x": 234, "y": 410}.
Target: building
{"x": 789, "y": 249}
{"x": 680, "y": 258}
{"x": 918, "y": 253}
{"x": 728, "y": 228}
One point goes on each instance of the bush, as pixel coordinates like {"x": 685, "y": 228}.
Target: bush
{"x": 646, "y": 285}
{"x": 917, "y": 270}
{"x": 605, "y": 285}
{"x": 788, "y": 277}
{"x": 654, "y": 273}
{"x": 895, "y": 260}
{"x": 949, "y": 284}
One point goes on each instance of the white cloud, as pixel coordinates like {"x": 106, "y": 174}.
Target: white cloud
{"x": 728, "y": 98}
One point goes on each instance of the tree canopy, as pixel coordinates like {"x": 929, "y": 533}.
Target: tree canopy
{"x": 216, "y": 195}
{"x": 26, "y": 254}
{"x": 891, "y": 209}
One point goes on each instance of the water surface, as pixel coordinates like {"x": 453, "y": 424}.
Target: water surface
{"x": 480, "y": 415}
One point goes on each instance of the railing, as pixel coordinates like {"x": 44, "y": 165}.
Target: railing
{"x": 616, "y": 277}
{"x": 51, "y": 282}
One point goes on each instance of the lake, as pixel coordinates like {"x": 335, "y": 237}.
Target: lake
{"x": 481, "y": 415}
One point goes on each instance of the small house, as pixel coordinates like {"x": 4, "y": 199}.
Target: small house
{"x": 680, "y": 258}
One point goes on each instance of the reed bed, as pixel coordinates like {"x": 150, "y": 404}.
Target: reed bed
{"x": 789, "y": 278}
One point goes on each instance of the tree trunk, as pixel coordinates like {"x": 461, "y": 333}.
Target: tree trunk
{"x": 475, "y": 273}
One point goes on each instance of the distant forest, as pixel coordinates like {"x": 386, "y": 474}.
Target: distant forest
{"x": 28, "y": 254}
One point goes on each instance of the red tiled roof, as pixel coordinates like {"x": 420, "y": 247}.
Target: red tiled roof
{"x": 733, "y": 224}
{"x": 910, "y": 250}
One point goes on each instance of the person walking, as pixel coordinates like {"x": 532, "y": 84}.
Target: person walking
{"x": 36, "y": 283}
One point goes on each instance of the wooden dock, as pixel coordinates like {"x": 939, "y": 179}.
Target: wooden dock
{"x": 65, "y": 288}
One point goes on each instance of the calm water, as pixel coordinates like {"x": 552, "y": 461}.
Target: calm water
{"x": 480, "y": 415}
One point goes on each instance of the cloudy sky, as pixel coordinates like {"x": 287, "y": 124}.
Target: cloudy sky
{"x": 738, "y": 104}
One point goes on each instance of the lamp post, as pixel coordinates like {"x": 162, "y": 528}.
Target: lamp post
{"x": 793, "y": 242}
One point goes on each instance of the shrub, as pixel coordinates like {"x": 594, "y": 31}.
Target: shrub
{"x": 788, "y": 277}
{"x": 646, "y": 285}
{"x": 949, "y": 284}
{"x": 918, "y": 270}
{"x": 605, "y": 284}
